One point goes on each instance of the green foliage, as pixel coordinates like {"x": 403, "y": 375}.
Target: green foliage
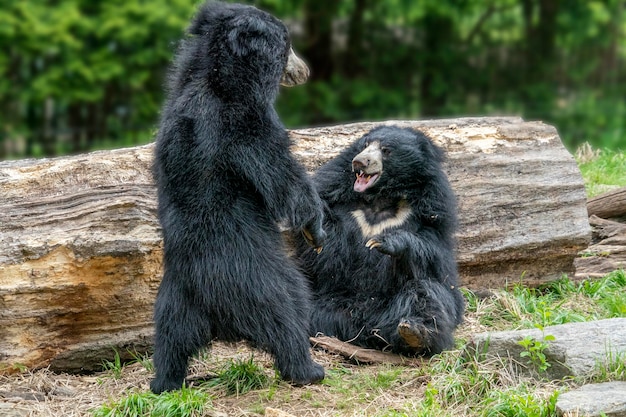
{"x": 534, "y": 351}
{"x": 81, "y": 63}
{"x": 612, "y": 368}
{"x": 592, "y": 116}
{"x": 520, "y": 402}
{"x": 462, "y": 375}
{"x": 603, "y": 172}
{"x": 115, "y": 366}
{"x": 185, "y": 402}
{"x": 76, "y": 75}
{"x": 468, "y": 383}
{"x": 143, "y": 359}
{"x": 384, "y": 379}
{"x": 559, "y": 302}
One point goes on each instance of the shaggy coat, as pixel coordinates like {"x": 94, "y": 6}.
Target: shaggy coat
{"x": 225, "y": 179}
{"x": 387, "y": 277}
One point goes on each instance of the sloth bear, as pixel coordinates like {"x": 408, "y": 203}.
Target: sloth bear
{"x": 225, "y": 179}
{"x": 387, "y": 277}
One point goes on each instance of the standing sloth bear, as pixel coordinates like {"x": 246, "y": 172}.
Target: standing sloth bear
{"x": 225, "y": 179}
{"x": 387, "y": 277}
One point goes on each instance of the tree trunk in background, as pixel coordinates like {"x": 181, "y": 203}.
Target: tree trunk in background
{"x": 351, "y": 64}
{"x": 436, "y": 69}
{"x": 540, "y": 29}
{"x": 75, "y": 123}
{"x": 318, "y": 26}
{"x": 91, "y": 129}
{"x": 81, "y": 250}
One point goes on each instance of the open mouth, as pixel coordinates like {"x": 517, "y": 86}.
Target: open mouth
{"x": 364, "y": 181}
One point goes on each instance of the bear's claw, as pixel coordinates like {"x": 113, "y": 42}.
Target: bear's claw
{"x": 372, "y": 243}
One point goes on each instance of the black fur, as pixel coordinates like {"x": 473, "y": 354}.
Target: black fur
{"x": 225, "y": 178}
{"x": 410, "y": 274}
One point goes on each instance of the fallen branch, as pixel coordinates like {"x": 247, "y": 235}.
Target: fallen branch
{"x": 361, "y": 355}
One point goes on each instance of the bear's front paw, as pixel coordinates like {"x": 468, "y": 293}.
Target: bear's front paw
{"x": 315, "y": 237}
{"x": 382, "y": 244}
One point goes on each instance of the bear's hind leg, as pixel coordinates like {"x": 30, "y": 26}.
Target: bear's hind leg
{"x": 279, "y": 323}
{"x": 332, "y": 316}
{"x": 180, "y": 332}
{"x": 414, "y": 334}
{"x": 297, "y": 366}
{"x": 420, "y": 320}
{"x": 290, "y": 346}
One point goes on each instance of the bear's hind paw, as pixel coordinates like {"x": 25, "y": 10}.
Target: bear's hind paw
{"x": 413, "y": 334}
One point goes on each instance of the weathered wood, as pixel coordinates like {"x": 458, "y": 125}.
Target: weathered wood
{"x": 607, "y": 252}
{"x": 361, "y": 355}
{"x": 80, "y": 249}
{"x": 607, "y": 232}
{"x": 608, "y": 205}
{"x": 80, "y": 258}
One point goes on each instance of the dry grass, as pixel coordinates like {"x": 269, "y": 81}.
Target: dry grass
{"x": 453, "y": 384}
{"x": 349, "y": 390}
{"x": 43, "y": 393}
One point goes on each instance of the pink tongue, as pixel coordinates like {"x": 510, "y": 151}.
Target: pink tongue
{"x": 360, "y": 184}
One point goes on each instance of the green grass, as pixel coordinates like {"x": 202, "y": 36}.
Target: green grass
{"x": 115, "y": 366}
{"x": 558, "y": 302}
{"x": 185, "y": 402}
{"x": 612, "y": 368}
{"x": 240, "y": 376}
{"x": 602, "y": 170}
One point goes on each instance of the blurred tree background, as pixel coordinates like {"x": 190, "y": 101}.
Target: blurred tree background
{"x": 77, "y": 75}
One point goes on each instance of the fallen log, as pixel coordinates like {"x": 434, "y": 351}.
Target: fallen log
{"x": 608, "y": 205}
{"x": 80, "y": 246}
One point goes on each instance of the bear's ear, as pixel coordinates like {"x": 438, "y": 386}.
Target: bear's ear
{"x": 429, "y": 149}
{"x": 251, "y": 34}
{"x": 210, "y": 15}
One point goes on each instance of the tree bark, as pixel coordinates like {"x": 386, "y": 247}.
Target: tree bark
{"x": 80, "y": 245}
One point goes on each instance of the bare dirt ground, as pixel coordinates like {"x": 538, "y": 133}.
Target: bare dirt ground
{"x": 44, "y": 393}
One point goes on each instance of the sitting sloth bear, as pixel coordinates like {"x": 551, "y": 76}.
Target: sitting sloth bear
{"x": 225, "y": 179}
{"x": 387, "y": 276}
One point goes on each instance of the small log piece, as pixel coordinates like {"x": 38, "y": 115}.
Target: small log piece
{"x": 608, "y": 205}
{"x": 80, "y": 246}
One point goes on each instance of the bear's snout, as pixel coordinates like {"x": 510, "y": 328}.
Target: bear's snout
{"x": 369, "y": 161}
{"x": 296, "y": 71}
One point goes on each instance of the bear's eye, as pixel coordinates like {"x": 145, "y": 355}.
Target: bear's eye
{"x": 386, "y": 151}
